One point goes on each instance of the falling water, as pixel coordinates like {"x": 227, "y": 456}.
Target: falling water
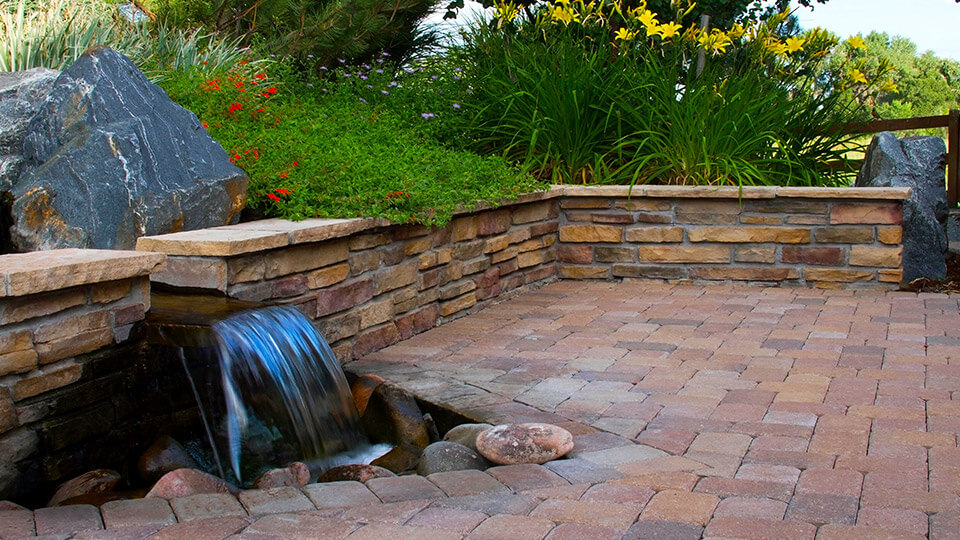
{"x": 281, "y": 377}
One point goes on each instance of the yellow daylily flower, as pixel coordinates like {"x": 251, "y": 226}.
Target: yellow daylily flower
{"x": 566, "y": 16}
{"x": 668, "y": 30}
{"x": 715, "y": 42}
{"x": 856, "y": 42}
{"x": 857, "y": 76}
{"x": 648, "y": 19}
{"x": 624, "y": 34}
{"x": 889, "y": 86}
{"x": 776, "y": 46}
{"x": 795, "y": 44}
{"x": 737, "y": 31}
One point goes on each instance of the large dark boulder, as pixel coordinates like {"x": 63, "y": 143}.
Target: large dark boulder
{"x": 918, "y": 163}
{"x": 109, "y": 158}
{"x": 21, "y": 94}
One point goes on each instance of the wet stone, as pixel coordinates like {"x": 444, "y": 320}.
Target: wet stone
{"x": 444, "y": 456}
{"x": 512, "y": 444}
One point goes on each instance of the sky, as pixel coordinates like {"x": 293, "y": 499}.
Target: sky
{"x": 931, "y": 24}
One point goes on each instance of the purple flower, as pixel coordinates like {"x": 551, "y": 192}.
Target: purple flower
{"x": 363, "y": 77}
{"x": 364, "y": 66}
{"x": 309, "y": 56}
{"x": 385, "y": 92}
{"x": 408, "y": 70}
{"x": 393, "y": 84}
{"x": 309, "y": 85}
{"x": 456, "y": 77}
{"x": 363, "y": 100}
{"x": 341, "y": 60}
{"x": 458, "y": 70}
{"x": 379, "y": 60}
{"x": 427, "y": 115}
{"x": 433, "y": 77}
{"x": 347, "y": 75}
{"x": 379, "y": 71}
{"x": 456, "y": 105}
{"x": 273, "y": 56}
{"x": 324, "y": 68}
{"x": 384, "y": 53}
{"x": 370, "y": 86}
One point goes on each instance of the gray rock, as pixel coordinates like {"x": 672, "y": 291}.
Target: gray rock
{"x": 444, "y": 456}
{"x": 917, "y": 163}
{"x": 109, "y": 158}
{"x": 21, "y": 94}
{"x": 466, "y": 434}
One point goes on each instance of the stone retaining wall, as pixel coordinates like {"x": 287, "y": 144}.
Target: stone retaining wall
{"x": 367, "y": 283}
{"x": 65, "y": 316}
{"x": 799, "y": 236}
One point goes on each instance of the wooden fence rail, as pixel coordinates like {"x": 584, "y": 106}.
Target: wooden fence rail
{"x": 951, "y": 121}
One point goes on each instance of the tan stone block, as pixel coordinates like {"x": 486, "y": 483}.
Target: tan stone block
{"x": 46, "y": 379}
{"x": 584, "y": 272}
{"x": 427, "y": 260}
{"x": 650, "y": 234}
{"x": 364, "y": 261}
{"x": 806, "y": 220}
{"x": 611, "y": 254}
{"x": 837, "y": 276}
{"x": 17, "y": 340}
{"x": 548, "y": 241}
{"x": 529, "y": 213}
{"x": 497, "y": 243}
{"x": 368, "y": 241}
{"x": 74, "y": 345}
{"x": 457, "y": 288}
{"x": 890, "y": 235}
{"x": 647, "y": 205}
{"x": 530, "y": 258}
{"x": 419, "y": 245}
{"x": 216, "y": 242}
{"x": 53, "y": 270}
{"x": 585, "y": 203}
{"x": 684, "y": 254}
{"x": 504, "y": 255}
{"x": 458, "y": 304}
{"x": 780, "y": 235}
{"x": 451, "y": 272}
{"x": 738, "y": 273}
{"x": 755, "y": 254}
{"x": 245, "y": 269}
{"x": 880, "y": 213}
{"x": 520, "y": 234}
{"x": 194, "y": 273}
{"x": 875, "y": 256}
{"x": 65, "y": 327}
{"x": 111, "y": 291}
{"x": 591, "y": 233}
{"x": 760, "y": 220}
{"x": 39, "y": 305}
{"x": 375, "y": 313}
{"x": 324, "y": 277}
{"x": 891, "y": 275}
{"x": 429, "y": 296}
{"x": 694, "y": 211}
{"x": 844, "y": 235}
{"x": 785, "y": 205}
{"x": 529, "y": 245}
{"x": 305, "y": 257}
{"x": 444, "y": 255}
{"x": 474, "y": 266}
{"x": 335, "y": 328}
{"x": 617, "y": 218}
{"x": 375, "y": 339}
{"x": 815, "y": 255}
{"x": 397, "y": 276}
{"x": 468, "y": 250}
{"x": 8, "y": 412}
{"x": 464, "y": 228}
{"x": 18, "y": 362}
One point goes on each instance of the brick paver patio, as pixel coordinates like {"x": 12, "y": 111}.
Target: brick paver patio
{"x": 698, "y": 411}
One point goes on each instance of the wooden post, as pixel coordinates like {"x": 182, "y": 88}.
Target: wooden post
{"x": 953, "y": 157}
{"x": 702, "y": 56}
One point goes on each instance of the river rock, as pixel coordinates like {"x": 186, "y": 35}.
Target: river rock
{"x": 184, "y": 482}
{"x": 466, "y": 434}
{"x": 401, "y": 458}
{"x": 444, "y": 456}
{"x": 393, "y": 416}
{"x": 296, "y": 474}
{"x": 96, "y": 481}
{"x": 917, "y": 163}
{"x": 163, "y": 456}
{"x": 356, "y": 473}
{"x": 21, "y": 94}
{"x": 109, "y": 158}
{"x": 362, "y": 389}
{"x": 511, "y": 444}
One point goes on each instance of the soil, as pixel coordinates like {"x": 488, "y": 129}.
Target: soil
{"x": 951, "y": 284}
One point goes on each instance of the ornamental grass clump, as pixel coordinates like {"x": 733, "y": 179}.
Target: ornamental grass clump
{"x": 592, "y": 92}
{"x": 363, "y": 141}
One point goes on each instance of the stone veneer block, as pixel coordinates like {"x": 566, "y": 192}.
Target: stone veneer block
{"x": 885, "y": 257}
{"x": 836, "y": 275}
{"x": 41, "y": 271}
{"x": 654, "y": 234}
{"x": 591, "y": 233}
{"x": 194, "y": 273}
{"x": 737, "y": 273}
{"x": 46, "y": 379}
{"x": 684, "y": 254}
{"x": 780, "y": 235}
{"x": 866, "y": 213}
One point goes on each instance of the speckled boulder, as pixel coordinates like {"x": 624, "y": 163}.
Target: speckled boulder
{"x": 466, "y": 434}
{"x": 356, "y": 473}
{"x": 445, "y": 456}
{"x": 512, "y": 444}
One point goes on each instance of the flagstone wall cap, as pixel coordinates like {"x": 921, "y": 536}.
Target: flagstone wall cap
{"x": 214, "y": 242}
{"x": 42, "y": 271}
{"x": 735, "y": 192}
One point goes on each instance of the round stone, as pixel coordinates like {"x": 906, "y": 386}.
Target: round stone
{"x": 444, "y": 456}
{"x": 466, "y": 434}
{"x": 354, "y": 472}
{"x": 512, "y": 444}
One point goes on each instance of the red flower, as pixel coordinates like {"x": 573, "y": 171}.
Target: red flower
{"x": 273, "y": 197}
{"x": 260, "y": 76}
{"x": 205, "y": 126}
{"x": 235, "y": 107}
{"x": 272, "y": 90}
{"x": 283, "y": 175}
{"x": 256, "y": 155}
{"x": 204, "y": 62}
{"x": 283, "y": 191}
{"x": 295, "y": 163}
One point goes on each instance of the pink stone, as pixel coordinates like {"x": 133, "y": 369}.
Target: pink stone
{"x": 296, "y": 474}
{"x": 93, "y": 482}
{"x": 185, "y": 482}
{"x": 358, "y": 473}
{"x": 512, "y": 444}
